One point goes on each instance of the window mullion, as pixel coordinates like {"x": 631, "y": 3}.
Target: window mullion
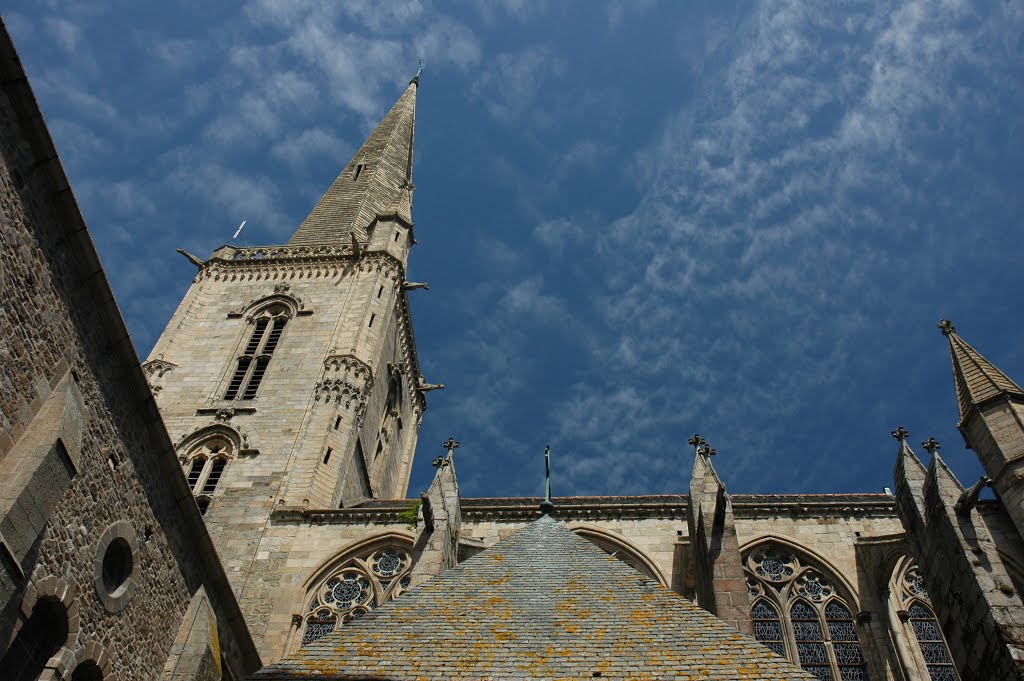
{"x": 201, "y": 482}
{"x": 826, "y": 635}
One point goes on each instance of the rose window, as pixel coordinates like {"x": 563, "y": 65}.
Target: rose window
{"x": 774, "y": 565}
{"x": 811, "y": 585}
{"x": 387, "y": 564}
{"x": 354, "y": 588}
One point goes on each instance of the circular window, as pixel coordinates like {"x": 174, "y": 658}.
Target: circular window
{"x": 117, "y": 565}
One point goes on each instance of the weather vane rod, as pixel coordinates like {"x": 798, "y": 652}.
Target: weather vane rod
{"x": 547, "y": 507}
{"x": 419, "y": 72}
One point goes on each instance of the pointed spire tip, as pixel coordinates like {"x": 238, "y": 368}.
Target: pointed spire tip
{"x": 419, "y": 71}
{"x": 946, "y": 326}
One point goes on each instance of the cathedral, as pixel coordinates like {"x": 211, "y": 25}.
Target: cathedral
{"x": 237, "y": 505}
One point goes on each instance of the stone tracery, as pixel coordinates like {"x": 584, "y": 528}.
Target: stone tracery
{"x": 915, "y": 610}
{"x": 359, "y": 584}
{"x": 818, "y": 629}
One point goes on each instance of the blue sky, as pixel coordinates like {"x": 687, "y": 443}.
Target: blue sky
{"x": 638, "y": 220}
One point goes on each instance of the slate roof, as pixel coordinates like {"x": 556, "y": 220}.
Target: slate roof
{"x": 543, "y": 603}
{"x": 351, "y": 203}
{"x": 976, "y": 379}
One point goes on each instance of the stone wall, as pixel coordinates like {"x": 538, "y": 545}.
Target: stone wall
{"x": 59, "y": 326}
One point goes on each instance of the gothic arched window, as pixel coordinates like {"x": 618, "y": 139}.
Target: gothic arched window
{"x": 798, "y": 614}
{"x": 916, "y": 611}
{"x": 268, "y": 325}
{"x": 355, "y": 587}
{"x": 204, "y": 466}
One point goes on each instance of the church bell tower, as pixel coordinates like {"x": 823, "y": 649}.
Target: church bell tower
{"x": 288, "y": 376}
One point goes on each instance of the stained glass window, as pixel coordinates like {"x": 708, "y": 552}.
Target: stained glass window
{"x": 768, "y": 626}
{"x": 843, "y": 633}
{"x": 353, "y": 588}
{"x": 810, "y": 641}
{"x": 922, "y": 625}
{"x": 320, "y": 623}
{"x": 815, "y": 627}
{"x": 932, "y": 644}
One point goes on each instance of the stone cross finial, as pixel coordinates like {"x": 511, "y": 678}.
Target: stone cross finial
{"x": 932, "y": 445}
{"x": 900, "y": 434}
{"x": 946, "y": 326}
{"x": 701, "y": 445}
{"x": 547, "y": 506}
{"x": 451, "y": 444}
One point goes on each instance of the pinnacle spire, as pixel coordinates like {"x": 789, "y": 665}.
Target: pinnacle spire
{"x": 976, "y": 379}
{"x": 377, "y": 180}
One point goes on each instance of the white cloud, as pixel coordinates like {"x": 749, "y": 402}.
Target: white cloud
{"x": 298, "y": 149}
{"x": 64, "y": 33}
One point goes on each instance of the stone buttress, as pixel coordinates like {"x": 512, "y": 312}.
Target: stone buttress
{"x": 974, "y": 596}
{"x": 718, "y": 569}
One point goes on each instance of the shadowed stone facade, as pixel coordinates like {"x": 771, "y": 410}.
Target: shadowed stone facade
{"x": 249, "y": 505}
{"x": 102, "y": 549}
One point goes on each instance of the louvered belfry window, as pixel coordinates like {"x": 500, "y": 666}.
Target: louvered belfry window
{"x": 251, "y": 367}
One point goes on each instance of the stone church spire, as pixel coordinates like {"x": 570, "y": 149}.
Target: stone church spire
{"x": 378, "y": 176}
{"x": 977, "y": 380}
{"x": 991, "y": 420}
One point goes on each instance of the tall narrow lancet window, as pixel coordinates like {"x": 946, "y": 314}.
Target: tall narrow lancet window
{"x": 916, "y": 611}
{"x": 768, "y": 626}
{"x": 798, "y": 612}
{"x": 251, "y": 366}
{"x": 204, "y": 466}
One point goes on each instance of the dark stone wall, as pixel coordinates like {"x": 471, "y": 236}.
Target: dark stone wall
{"x": 58, "y": 318}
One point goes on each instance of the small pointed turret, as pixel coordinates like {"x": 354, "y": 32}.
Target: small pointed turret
{"x": 376, "y": 181}
{"x": 976, "y": 379}
{"x": 991, "y": 420}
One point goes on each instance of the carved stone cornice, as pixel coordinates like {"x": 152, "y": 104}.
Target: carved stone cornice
{"x": 345, "y": 380}
{"x": 813, "y": 505}
{"x": 661, "y": 506}
{"x": 345, "y": 516}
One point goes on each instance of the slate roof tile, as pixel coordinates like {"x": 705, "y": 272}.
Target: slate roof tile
{"x": 543, "y": 603}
